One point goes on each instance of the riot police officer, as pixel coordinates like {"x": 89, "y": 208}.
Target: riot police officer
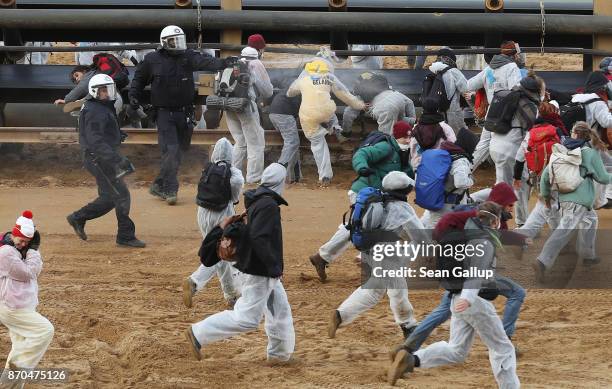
{"x": 169, "y": 70}
{"x": 100, "y": 138}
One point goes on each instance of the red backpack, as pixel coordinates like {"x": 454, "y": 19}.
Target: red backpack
{"x": 110, "y": 65}
{"x": 539, "y": 149}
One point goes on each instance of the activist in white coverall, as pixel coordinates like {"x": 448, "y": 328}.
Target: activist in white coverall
{"x": 30, "y": 332}
{"x": 471, "y": 315}
{"x": 316, "y": 84}
{"x": 455, "y": 84}
{"x": 361, "y": 62}
{"x": 387, "y": 108}
{"x": 598, "y": 113}
{"x": 207, "y": 220}
{"x": 401, "y": 219}
{"x": 248, "y": 134}
{"x": 502, "y": 74}
{"x": 263, "y": 294}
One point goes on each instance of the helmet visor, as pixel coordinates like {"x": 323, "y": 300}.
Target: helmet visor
{"x": 176, "y": 42}
{"x": 106, "y": 90}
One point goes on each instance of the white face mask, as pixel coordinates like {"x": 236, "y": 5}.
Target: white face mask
{"x": 404, "y": 147}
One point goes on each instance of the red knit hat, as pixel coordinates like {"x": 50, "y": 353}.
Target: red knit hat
{"x": 257, "y": 41}
{"x": 401, "y": 129}
{"x": 510, "y": 48}
{"x": 502, "y": 194}
{"x": 24, "y": 226}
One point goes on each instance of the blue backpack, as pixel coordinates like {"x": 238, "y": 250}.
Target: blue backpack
{"x": 431, "y": 178}
{"x": 366, "y": 217}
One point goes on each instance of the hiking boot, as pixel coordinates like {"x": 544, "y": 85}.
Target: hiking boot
{"x": 334, "y": 323}
{"x": 194, "y": 345}
{"x": 189, "y": 289}
{"x": 339, "y": 135}
{"x": 590, "y": 261}
{"x": 325, "y": 182}
{"x": 607, "y": 205}
{"x": 319, "y": 264}
{"x": 171, "y": 198}
{"x": 274, "y": 361}
{"x": 404, "y": 362}
{"x": 134, "y": 243}
{"x": 407, "y": 329}
{"x": 393, "y": 352}
{"x": 77, "y": 226}
{"x": 156, "y": 191}
{"x": 540, "y": 270}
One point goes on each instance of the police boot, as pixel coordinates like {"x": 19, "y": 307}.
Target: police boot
{"x": 78, "y": 226}
{"x": 156, "y": 191}
{"x": 134, "y": 243}
{"x": 171, "y": 198}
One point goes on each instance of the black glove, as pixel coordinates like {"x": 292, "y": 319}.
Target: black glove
{"x": 366, "y": 172}
{"x": 123, "y": 135}
{"x": 35, "y": 242}
{"x": 229, "y": 61}
{"x": 134, "y": 103}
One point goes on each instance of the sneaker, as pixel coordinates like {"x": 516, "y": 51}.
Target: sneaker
{"x": 407, "y": 329}
{"x": 194, "y": 344}
{"x": 590, "y": 261}
{"x": 319, "y": 264}
{"x": 171, "y": 198}
{"x": 334, "y": 323}
{"x": 156, "y": 191}
{"x": 393, "y": 352}
{"x": 540, "y": 270}
{"x": 134, "y": 243}
{"x": 189, "y": 289}
{"x": 404, "y": 362}
{"x": 78, "y": 226}
{"x": 607, "y": 205}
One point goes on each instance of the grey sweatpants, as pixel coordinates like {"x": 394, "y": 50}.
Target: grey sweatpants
{"x": 290, "y": 154}
{"x": 249, "y": 142}
{"x": 479, "y": 318}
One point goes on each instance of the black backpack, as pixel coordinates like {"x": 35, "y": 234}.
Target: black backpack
{"x": 214, "y": 189}
{"x": 369, "y": 85}
{"x": 433, "y": 87}
{"x": 110, "y": 65}
{"x": 448, "y": 263}
{"x": 502, "y": 110}
{"x": 574, "y": 112}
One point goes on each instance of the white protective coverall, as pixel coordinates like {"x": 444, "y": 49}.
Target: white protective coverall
{"x": 316, "y": 84}
{"x": 502, "y": 74}
{"x": 30, "y": 332}
{"x": 246, "y": 128}
{"x": 262, "y": 297}
{"x": 400, "y": 218}
{"x": 480, "y": 317}
{"x": 598, "y": 113}
{"x": 455, "y": 84}
{"x": 387, "y": 108}
{"x": 229, "y": 276}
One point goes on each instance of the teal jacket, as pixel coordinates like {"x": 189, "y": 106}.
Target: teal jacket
{"x": 383, "y": 157}
{"x": 585, "y": 193}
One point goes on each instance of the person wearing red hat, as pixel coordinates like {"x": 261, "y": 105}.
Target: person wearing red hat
{"x": 257, "y": 42}
{"x": 30, "y": 332}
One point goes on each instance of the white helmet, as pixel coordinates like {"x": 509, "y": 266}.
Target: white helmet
{"x": 173, "y": 38}
{"x": 249, "y": 52}
{"x": 102, "y": 80}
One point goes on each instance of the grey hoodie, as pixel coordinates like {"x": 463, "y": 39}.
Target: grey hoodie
{"x": 273, "y": 178}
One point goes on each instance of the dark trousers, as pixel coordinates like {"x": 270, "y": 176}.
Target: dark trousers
{"x": 112, "y": 193}
{"x": 173, "y": 135}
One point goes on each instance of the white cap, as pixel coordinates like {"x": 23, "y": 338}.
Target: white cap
{"x": 397, "y": 180}
{"x": 249, "y": 52}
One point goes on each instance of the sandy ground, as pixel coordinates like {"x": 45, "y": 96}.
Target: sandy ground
{"x": 119, "y": 317}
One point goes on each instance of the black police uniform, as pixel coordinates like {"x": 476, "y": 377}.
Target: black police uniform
{"x": 172, "y": 94}
{"x": 100, "y": 138}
